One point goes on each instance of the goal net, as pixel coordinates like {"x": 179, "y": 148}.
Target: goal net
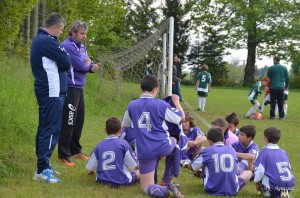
{"x": 121, "y": 73}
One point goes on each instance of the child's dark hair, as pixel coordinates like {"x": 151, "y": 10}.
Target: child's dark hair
{"x": 232, "y": 118}
{"x": 188, "y": 117}
{"x": 215, "y": 135}
{"x": 113, "y": 125}
{"x": 249, "y": 130}
{"x": 273, "y": 134}
{"x": 149, "y": 82}
{"x": 220, "y": 122}
{"x": 149, "y": 60}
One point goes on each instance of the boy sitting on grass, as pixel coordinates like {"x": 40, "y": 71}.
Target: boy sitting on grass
{"x": 219, "y": 162}
{"x": 111, "y": 158}
{"x": 246, "y": 149}
{"x": 273, "y": 175}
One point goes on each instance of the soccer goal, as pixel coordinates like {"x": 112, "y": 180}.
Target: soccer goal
{"x": 121, "y": 72}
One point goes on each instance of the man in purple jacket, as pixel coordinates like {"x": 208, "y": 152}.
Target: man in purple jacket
{"x": 73, "y": 114}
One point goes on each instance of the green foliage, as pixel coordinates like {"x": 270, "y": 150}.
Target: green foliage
{"x": 210, "y": 52}
{"x": 263, "y": 27}
{"x": 16, "y": 100}
{"x": 181, "y": 11}
{"x": 12, "y": 14}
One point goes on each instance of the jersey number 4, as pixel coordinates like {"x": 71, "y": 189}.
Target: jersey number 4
{"x": 144, "y": 121}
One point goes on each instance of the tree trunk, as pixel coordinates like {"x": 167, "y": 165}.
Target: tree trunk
{"x": 42, "y": 13}
{"x": 251, "y": 46}
{"x": 27, "y": 28}
{"x": 250, "y": 65}
{"x": 35, "y": 14}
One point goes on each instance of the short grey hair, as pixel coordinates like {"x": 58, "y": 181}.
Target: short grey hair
{"x": 54, "y": 19}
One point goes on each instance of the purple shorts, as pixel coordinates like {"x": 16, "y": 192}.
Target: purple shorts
{"x": 149, "y": 165}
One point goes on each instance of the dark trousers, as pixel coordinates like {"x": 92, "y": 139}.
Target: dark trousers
{"x": 49, "y": 128}
{"x": 277, "y": 95}
{"x": 176, "y": 89}
{"x": 72, "y": 123}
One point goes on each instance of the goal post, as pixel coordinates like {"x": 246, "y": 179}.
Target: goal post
{"x": 124, "y": 68}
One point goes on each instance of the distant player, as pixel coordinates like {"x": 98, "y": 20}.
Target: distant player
{"x": 273, "y": 174}
{"x": 195, "y": 139}
{"x": 229, "y": 137}
{"x": 252, "y": 97}
{"x": 149, "y": 116}
{"x": 232, "y": 123}
{"x": 246, "y": 149}
{"x": 203, "y": 86}
{"x": 112, "y": 157}
{"x": 267, "y": 99}
{"x": 220, "y": 163}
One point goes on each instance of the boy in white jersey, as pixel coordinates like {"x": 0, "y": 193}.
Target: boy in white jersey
{"x": 112, "y": 157}
{"x": 203, "y": 85}
{"x": 149, "y": 117}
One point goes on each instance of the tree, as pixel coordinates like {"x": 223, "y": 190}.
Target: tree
{"x": 263, "y": 27}
{"x": 11, "y": 17}
{"x": 181, "y": 11}
{"x": 210, "y": 52}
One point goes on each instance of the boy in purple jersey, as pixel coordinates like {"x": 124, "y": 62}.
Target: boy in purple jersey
{"x": 273, "y": 174}
{"x": 195, "y": 139}
{"x": 232, "y": 123}
{"x": 220, "y": 164}
{"x": 246, "y": 149}
{"x": 149, "y": 117}
{"x": 112, "y": 157}
{"x": 229, "y": 137}
{"x": 128, "y": 135}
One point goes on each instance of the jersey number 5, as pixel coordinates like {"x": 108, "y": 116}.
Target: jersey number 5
{"x": 283, "y": 168}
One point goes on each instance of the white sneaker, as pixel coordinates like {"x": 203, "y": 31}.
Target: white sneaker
{"x": 186, "y": 163}
{"x": 284, "y": 194}
{"x": 46, "y": 176}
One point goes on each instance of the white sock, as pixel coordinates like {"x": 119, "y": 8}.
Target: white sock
{"x": 285, "y": 107}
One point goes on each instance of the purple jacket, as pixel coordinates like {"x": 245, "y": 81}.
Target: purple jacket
{"x": 78, "y": 70}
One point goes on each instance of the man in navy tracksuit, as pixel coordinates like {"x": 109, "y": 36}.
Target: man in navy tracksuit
{"x": 49, "y": 64}
{"x": 73, "y": 113}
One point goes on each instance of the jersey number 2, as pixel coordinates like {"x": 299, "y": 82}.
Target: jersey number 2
{"x": 109, "y": 157}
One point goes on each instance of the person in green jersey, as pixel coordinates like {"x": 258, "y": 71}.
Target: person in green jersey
{"x": 279, "y": 77}
{"x": 203, "y": 86}
{"x": 252, "y": 97}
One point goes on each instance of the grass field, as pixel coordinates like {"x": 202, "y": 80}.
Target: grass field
{"x": 18, "y": 125}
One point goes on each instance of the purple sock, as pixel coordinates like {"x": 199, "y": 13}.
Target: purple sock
{"x": 167, "y": 177}
{"x": 157, "y": 191}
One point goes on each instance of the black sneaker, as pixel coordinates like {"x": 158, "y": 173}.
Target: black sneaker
{"x": 271, "y": 118}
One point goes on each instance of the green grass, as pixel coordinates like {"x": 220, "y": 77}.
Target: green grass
{"x": 18, "y": 123}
